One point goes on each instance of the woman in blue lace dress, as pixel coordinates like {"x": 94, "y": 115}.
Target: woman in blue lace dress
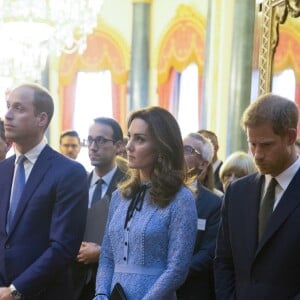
{"x": 152, "y": 222}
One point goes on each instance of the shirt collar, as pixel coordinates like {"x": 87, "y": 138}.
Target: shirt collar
{"x": 107, "y": 177}
{"x": 33, "y": 154}
{"x": 286, "y": 176}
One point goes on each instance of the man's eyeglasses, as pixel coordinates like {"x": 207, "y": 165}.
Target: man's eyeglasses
{"x": 187, "y": 149}
{"x": 98, "y": 140}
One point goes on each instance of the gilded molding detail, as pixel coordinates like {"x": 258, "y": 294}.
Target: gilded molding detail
{"x": 274, "y": 13}
{"x": 182, "y": 43}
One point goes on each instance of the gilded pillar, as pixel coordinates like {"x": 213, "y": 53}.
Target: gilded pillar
{"x": 139, "y": 74}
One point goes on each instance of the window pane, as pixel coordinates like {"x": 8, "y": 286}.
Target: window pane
{"x": 188, "y": 117}
{"x": 93, "y": 99}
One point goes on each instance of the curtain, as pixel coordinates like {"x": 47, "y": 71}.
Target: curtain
{"x": 68, "y": 94}
{"x": 168, "y": 92}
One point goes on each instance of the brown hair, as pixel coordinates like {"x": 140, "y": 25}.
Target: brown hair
{"x": 169, "y": 170}
{"x": 279, "y": 111}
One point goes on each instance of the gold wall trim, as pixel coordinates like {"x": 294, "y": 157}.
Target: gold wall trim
{"x": 106, "y": 49}
{"x": 182, "y": 43}
{"x": 274, "y": 12}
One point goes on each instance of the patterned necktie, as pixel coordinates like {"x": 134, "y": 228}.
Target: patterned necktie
{"x": 19, "y": 183}
{"x": 98, "y": 191}
{"x": 266, "y": 208}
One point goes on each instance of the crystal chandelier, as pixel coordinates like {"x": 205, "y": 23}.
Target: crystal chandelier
{"x": 31, "y": 29}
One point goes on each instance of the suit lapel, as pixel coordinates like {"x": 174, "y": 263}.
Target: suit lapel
{"x": 114, "y": 181}
{"x": 37, "y": 174}
{"x": 288, "y": 202}
{"x": 252, "y": 199}
{"x": 5, "y": 187}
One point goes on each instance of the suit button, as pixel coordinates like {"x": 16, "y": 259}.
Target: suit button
{"x": 124, "y": 258}
{"x": 7, "y": 246}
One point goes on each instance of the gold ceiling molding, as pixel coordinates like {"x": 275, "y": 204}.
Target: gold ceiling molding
{"x": 274, "y": 12}
{"x": 182, "y": 43}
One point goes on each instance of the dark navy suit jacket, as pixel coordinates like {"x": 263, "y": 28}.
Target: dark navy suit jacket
{"x": 199, "y": 283}
{"x": 84, "y": 275}
{"x": 270, "y": 269}
{"x": 47, "y": 229}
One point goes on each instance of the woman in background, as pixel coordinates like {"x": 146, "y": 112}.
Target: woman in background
{"x": 237, "y": 164}
{"x": 152, "y": 223}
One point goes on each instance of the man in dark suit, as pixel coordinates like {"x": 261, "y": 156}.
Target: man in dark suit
{"x": 104, "y": 140}
{"x": 258, "y": 245}
{"x": 41, "y": 230}
{"x": 199, "y": 283}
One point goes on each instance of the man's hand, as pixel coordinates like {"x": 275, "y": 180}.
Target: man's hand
{"x": 88, "y": 253}
{"x": 5, "y": 293}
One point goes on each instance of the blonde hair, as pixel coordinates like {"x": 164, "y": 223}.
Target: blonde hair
{"x": 240, "y": 162}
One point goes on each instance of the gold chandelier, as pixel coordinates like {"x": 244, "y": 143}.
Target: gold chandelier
{"x": 31, "y": 29}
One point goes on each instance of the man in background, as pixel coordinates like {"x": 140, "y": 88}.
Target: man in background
{"x": 69, "y": 143}
{"x": 104, "y": 142}
{"x": 216, "y": 162}
{"x": 199, "y": 283}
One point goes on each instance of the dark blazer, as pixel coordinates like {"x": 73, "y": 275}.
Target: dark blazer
{"x": 84, "y": 275}
{"x": 270, "y": 269}
{"x": 199, "y": 283}
{"x": 47, "y": 229}
{"x": 218, "y": 183}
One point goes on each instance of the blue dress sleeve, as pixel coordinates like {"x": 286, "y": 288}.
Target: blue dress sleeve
{"x": 182, "y": 234}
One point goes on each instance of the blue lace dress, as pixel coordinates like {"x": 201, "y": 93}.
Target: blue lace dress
{"x": 150, "y": 258}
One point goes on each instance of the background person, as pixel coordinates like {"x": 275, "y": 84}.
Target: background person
{"x": 104, "y": 139}
{"x": 200, "y": 283}
{"x": 41, "y": 230}
{"x": 237, "y": 165}
{"x": 151, "y": 230}
{"x": 69, "y": 143}
{"x": 4, "y": 144}
{"x": 216, "y": 162}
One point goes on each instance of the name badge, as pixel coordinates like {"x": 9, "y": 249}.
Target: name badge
{"x": 201, "y": 224}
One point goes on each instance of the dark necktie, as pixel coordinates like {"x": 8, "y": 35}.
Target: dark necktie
{"x": 98, "y": 191}
{"x": 266, "y": 207}
{"x": 17, "y": 190}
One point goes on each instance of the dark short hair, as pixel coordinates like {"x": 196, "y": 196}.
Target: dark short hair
{"x": 281, "y": 112}
{"x": 72, "y": 133}
{"x": 117, "y": 130}
{"x": 42, "y": 100}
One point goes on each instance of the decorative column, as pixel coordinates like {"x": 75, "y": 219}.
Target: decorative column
{"x": 217, "y": 63}
{"x": 241, "y": 73}
{"x": 139, "y": 70}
